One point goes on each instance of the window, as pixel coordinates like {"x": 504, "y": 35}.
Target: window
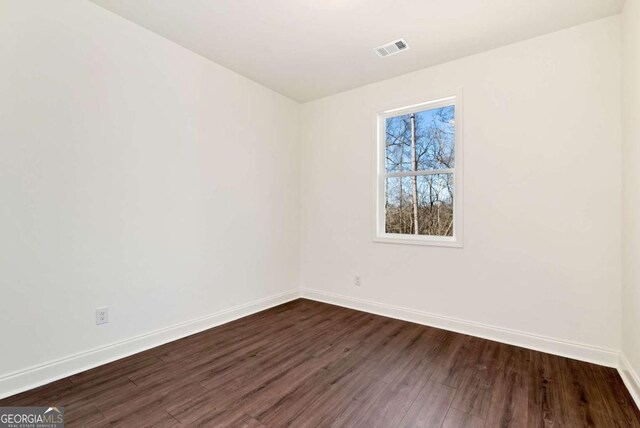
{"x": 419, "y": 182}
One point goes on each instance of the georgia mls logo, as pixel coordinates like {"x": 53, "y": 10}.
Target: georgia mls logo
{"x": 31, "y": 417}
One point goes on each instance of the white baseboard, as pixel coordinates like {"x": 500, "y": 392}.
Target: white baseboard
{"x": 33, "y": 377}
{"x": 592, "y": 354}
{"x": 630, "y": 378}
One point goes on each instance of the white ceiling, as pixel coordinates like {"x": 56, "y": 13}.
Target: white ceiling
{"x": 307, "y": 49}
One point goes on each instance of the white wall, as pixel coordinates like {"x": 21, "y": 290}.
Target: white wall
{"x": 133, "y": 174}
{"x": 631, "y": 187}
{"x": 542, "y": 195}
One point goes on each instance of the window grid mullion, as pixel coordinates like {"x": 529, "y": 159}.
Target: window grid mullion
{"x": 419, "y": 173}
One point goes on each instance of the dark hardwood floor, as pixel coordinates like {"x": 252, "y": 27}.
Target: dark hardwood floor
{"x": 308, "y": 364}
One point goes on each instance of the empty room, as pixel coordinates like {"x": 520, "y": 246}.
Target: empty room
{"x": 319, "y": 213}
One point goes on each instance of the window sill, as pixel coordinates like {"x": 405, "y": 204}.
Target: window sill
{"x": 430, "y": 241}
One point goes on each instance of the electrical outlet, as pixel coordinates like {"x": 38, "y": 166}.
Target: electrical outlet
{"x": 357, "y": 281}
{"x": 102, "y": 315}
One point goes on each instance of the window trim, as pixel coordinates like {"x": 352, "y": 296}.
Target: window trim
{"x": 453, "y": 98}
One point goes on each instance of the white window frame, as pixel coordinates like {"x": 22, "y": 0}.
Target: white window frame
{"x": 381, "y": 174}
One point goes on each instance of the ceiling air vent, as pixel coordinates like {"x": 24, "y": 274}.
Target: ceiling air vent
{"x": 392, "y": 48}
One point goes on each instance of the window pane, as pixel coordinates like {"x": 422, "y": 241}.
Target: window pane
{"x": 398, "y": 207}
{"x": 398, "y": 143}
{"x": 434, "y": 140}
{"x": 434, "y": 205}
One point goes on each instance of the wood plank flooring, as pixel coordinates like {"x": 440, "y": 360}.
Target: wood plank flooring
{"x": 309, "y": 364}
